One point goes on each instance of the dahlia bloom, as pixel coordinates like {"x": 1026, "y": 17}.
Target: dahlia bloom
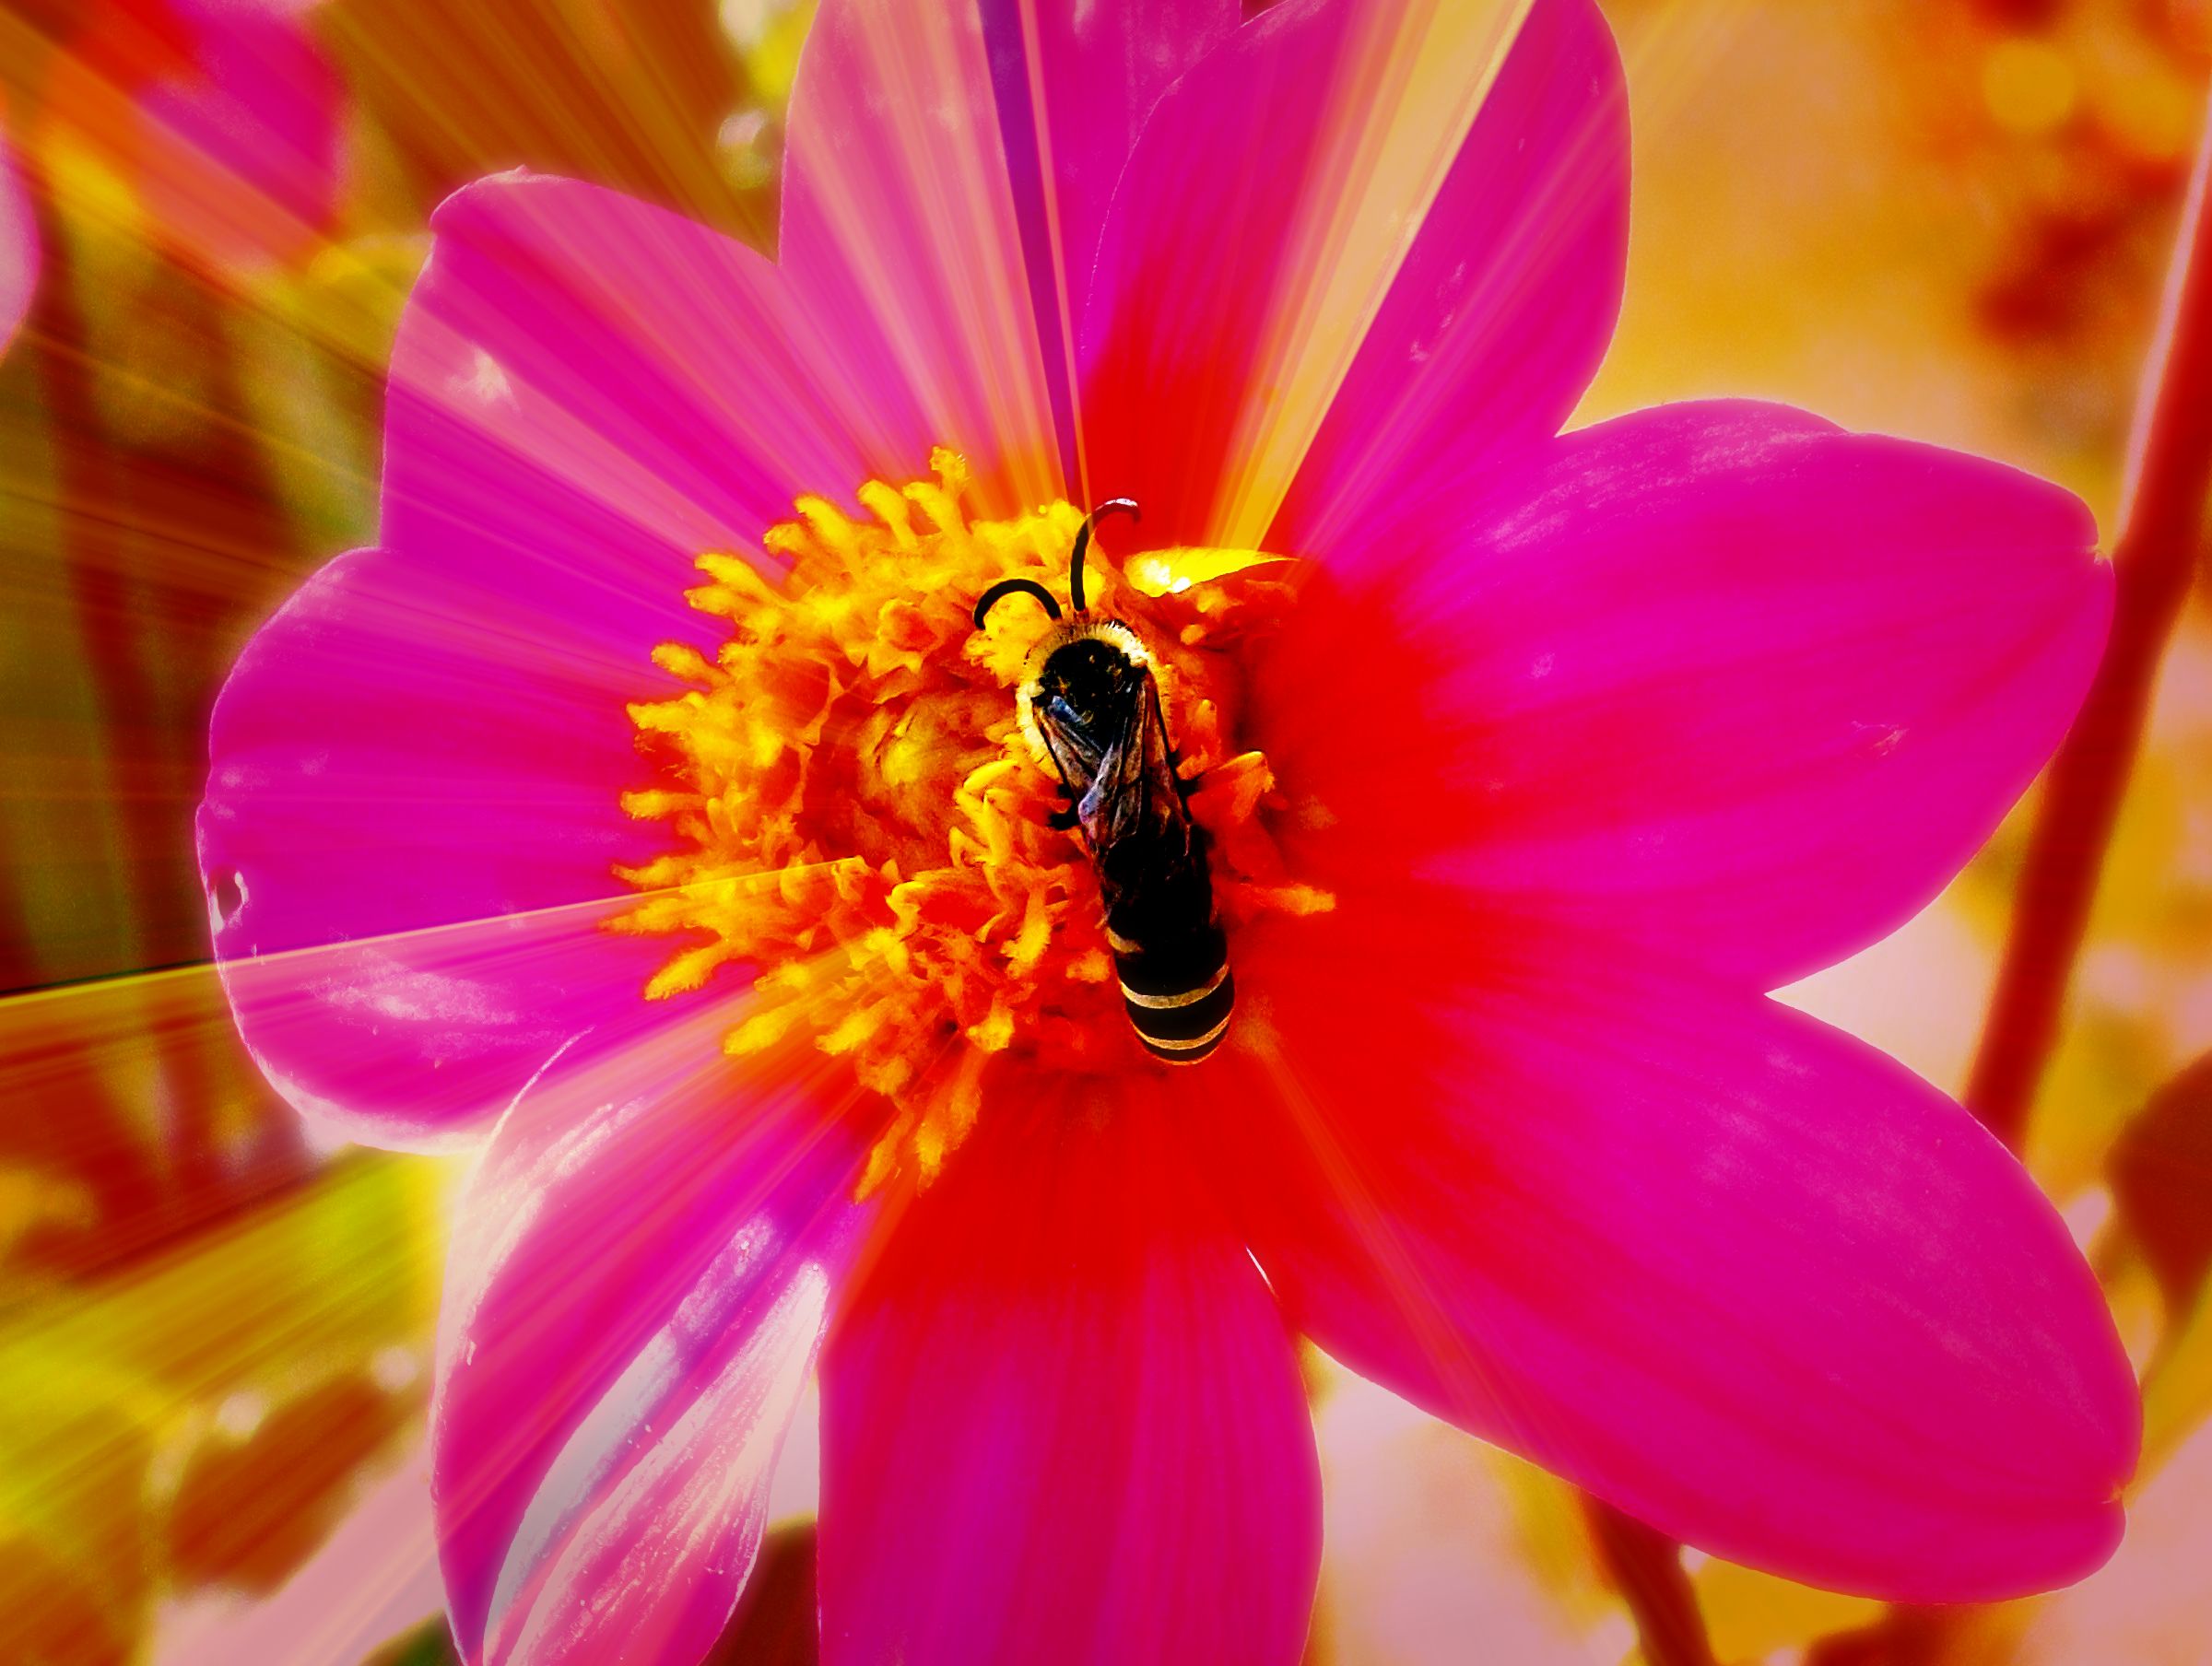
{"x": 647, "y": 807}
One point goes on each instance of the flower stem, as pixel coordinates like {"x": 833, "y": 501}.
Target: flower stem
{"x": 2153, "y": 561}
{"x": 1646, "y": 1568}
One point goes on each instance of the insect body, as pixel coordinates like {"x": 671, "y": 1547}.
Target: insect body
{"x": 1090, "y": 704}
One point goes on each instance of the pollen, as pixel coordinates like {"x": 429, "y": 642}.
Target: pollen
{"x": 861, "y": 834}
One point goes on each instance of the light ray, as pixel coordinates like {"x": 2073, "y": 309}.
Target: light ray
{"x": 1402, "y": 103}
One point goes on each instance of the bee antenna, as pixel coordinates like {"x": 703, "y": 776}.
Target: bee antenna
{"x": 1006, "y": 587}
{"x": 1112, "y": 506}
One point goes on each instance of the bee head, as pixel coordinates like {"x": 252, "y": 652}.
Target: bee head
{"x": 1087, "y": 676}
{"x": 1083, "y": 676}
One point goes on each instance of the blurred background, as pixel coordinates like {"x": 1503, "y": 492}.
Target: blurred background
{"x": 1947, "y": 219}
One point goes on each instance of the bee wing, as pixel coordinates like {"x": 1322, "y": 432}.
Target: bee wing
{"x": 1133, "y": 797}
{"x": 1079, "y": 755}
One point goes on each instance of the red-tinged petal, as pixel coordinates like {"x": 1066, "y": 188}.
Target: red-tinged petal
{"x": 1061, "y": 1420}
{"x": 900, "y": 226}
{"x": 1718, "y": 680}
{"x": 408, "y": 839}
{"x": 1497, "y": 322}
{"x": 1262, "y": 228}
{"x": 18, "y": 245}
{"x": 243, "y": 162}
{"x": 644, "y": 1265}
{"x": 1730, "y": 1269}
{"x": 222, "y": 119}
{"x": 931, "y": 141}
{"x": 1075, "y": 84}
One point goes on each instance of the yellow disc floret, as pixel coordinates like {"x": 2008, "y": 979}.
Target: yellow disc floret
{"x": 858, "y": 821}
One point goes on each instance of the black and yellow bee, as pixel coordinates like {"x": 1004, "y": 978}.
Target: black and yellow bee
{"x": 1090, "y": 704}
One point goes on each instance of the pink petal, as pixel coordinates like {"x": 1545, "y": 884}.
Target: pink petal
{"x": 1497, "y": 322}
{"x": 585, "y": 393}
{"x": 408, "y": 839}
{"x": 1717, "y": 679}
{"x": 1062, "y": 1421}
{"x": 1733, "y": 1270}
{"x": 1075, "y": 84}
{"x": 643, "y": 1268}
{"x": 1260, "y": 226}
{"x": 900, "y": 224}
{"x": 243, "y": 162}
{"x": 19, "y": 246}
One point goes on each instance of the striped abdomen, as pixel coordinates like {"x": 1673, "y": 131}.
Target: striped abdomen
{"x": 1179, "y": 994}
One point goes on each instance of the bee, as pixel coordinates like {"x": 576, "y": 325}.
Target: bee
{"x": 1090, "y": 705}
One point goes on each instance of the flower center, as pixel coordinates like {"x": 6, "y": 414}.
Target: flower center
{"x": 859, "y": 819}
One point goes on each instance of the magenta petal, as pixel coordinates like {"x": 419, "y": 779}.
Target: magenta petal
{"x": 1191, "y": 260}
{"x": 1063, "y": 1422}
{"x": 408, "y": 840}
{"x": 1496, "y": 323}
{"x": 900, "y": 225}
{"x": 1724, "y": 1266}
{"x": 1222, "y": 230}
{"x": 587, "y": 392}
{"x": 1715, "y": 678}
{"x": 644, "y": 1266}
{"x": 245, "y": 164}
{"x": 1086, "y": 77}
{"x": 948, "y": 172}
{"x": 18, "y": 245}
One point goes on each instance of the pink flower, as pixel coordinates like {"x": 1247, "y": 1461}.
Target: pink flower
{"x": 1573, "y": 747}
{"x": 219, "y": 118}
{"x": 19, "y": 246}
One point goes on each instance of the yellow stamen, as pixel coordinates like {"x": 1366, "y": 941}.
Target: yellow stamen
{"x": 855, "y": 818}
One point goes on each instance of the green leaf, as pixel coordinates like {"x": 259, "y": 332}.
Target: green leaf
{"x": 430, "y": 1644}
